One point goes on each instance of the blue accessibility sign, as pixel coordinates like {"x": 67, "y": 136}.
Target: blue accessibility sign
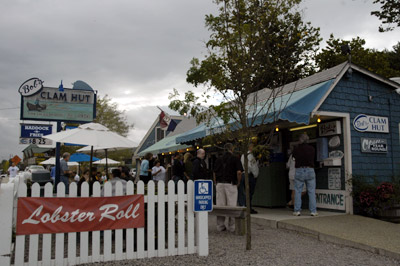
{"x": 35, "y": 130}
{"x": 203, "y": 195}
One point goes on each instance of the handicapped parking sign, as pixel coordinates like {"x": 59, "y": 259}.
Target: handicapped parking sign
{"x": 203, "y": 195}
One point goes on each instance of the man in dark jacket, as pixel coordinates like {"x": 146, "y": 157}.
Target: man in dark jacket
{"x": 199, "y": 166}
{"x": 227, "y": 175}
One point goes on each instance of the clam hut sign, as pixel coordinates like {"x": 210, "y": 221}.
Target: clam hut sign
{"x": 57, "y": 104}
{"x": 367, "y": 123}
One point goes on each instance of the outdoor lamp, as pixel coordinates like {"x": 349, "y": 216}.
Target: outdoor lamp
{"x": 276, "y": 128}
{"x": 319, "y": 120}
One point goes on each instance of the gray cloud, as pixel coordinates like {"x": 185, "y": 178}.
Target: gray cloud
{"x": 135, "y": 51}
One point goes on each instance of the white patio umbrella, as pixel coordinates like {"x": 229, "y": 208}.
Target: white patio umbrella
{"x": 94, "y": 135}
{"x": 52, "y": 161}
{"x": 106, "y": 161}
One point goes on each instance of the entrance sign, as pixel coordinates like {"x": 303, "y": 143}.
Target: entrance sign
{"x": 203, "y": 195}
{"x": 57, "y": 215}
{"x": 329, "y": 129}
{"x": 370, "y": 145}
{"x": 53, "y": 104}
{"x": 35, "y": 130}
{"x": 366, "y": 123}
{"x": 330, "y": 199}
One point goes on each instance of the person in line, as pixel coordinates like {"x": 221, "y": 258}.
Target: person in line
{"x": 158, "y": 172}
{"x": 188, "y": 165}
{"x": 103, "y": 177}
{"x": 253, "y": 174}
{"x": 76, "y": 177}
{"x": 64, "y": 171}
{"x": 116, "y": 177}
{"x": 227, "y": 175}
{"x": 145, "y": 170}
{"x": 200, "y": 166}
{"x": 53, "y": 173}
{"x": 304, "y": 156}
{"x": 13, "y": 170}
{"x": 291, "y": 165}
{"x": 178, "y": 168}
{"x": 85, "y": 178}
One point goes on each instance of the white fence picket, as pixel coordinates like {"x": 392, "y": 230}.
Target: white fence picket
{"x": 150, "y": 219}
{"x": 6, "y": 222}
{"x": 181, "y": 218}
{"x": 34, "y": 239}
{"x": 96, "y": 234}
{"x": 60, "y": 236}
{"x": 190, "y": 218}
{"x": 84, "y": 236}
{"x": 107, "y": 233}
{"x": 46, "y": 246}
{"x": 71, "y": 255}
{"x": 130, "y": 233}
{"x": 161, "y": 219}
{"x": 140, "y": 231}
{"x": 20, "y": 239}
{"x": 118, "y": 233}
{"x": 171, "y": 218}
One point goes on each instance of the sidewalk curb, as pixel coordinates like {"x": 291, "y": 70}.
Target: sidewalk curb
{"x": 324, "y": 237}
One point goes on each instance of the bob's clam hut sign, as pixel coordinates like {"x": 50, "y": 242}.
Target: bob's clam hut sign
{"x": 367, "y": 123}
{"x": 57, "y": 104}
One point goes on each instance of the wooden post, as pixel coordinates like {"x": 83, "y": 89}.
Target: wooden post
{"x": 202, "y": 233}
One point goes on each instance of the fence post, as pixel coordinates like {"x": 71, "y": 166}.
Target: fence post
{"x": 202, "y": 233}
{"x": 6, "y": 207}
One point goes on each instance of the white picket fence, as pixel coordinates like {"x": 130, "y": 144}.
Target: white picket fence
{"x": 177, "y": 231}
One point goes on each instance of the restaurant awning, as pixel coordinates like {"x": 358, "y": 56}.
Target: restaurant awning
{"x": 294, "y": 107}
{"x": 167, "y": 144}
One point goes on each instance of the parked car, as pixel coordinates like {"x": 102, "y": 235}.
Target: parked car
{"x": 37, "y": 173}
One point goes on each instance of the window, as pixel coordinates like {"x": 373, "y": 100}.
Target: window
{"x": 160, "y": 134}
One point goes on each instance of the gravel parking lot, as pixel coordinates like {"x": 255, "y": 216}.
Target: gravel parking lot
{"x": 270, "y": 247}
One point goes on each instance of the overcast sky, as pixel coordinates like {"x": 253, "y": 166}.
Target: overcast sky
{"x": 135, "y": 51}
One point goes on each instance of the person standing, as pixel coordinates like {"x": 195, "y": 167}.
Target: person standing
{"x": 291, "y": 165}
{"x": 178, "y": 170}
{"x": 158, "y": 171}
{"x": 188, "y": 165}
{"x": 304, "y": 156}
{"x": 145, "y": 168}
{"x": 227, "y": 175}
{"x": 200, "y": 166}
{"x": 116, "y": 177}
{"x": 13, "y": 170}
{"x": 253, "y": 174}
{"x": 64, "y": 171}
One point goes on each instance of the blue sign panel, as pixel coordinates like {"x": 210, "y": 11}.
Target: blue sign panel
{"x": 35, "y": 130}
{"x": 203, "y": 195}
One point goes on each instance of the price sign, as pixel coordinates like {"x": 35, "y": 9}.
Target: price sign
{"x": 37, "y": 141}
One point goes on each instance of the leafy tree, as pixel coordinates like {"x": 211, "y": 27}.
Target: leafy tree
{"x": 254, "y": 44}
{"x": 388, "y": 14}
{"x": 385, "y": 63}
{"x": 109, "y": 116}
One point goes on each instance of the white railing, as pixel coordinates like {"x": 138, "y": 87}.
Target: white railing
{"x": 172, "y": 228}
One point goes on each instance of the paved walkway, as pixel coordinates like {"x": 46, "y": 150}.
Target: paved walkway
{"x": 351, "y": 230}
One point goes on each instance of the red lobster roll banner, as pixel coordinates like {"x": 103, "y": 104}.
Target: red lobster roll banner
{"x": 62, "y": 215}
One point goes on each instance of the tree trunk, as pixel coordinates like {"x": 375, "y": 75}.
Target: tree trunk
{"x": 248, "y": 207}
